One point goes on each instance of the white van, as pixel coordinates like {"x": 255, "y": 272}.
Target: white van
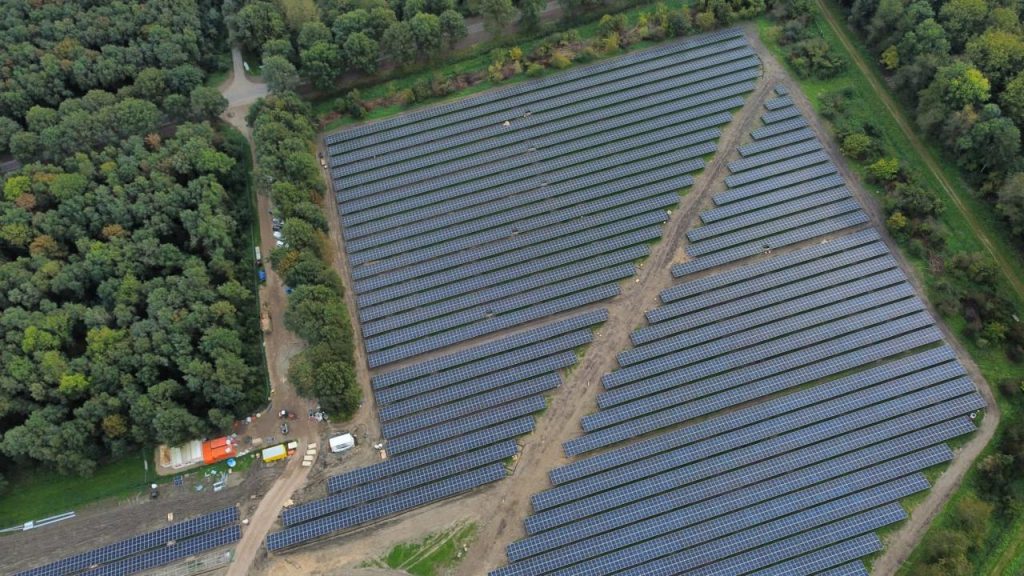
{"x": 342, "y": 443}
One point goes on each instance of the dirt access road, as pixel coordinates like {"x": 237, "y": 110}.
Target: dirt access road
{"x": 280, "y": 345}
{"x": 900, "y": 544}
{"x": 577, "y": 395}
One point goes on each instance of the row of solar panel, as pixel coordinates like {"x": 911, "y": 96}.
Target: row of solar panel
{"x": 137, "y": 544}
{"x": 808, "y": 466}
{"x": 398, "y": 483}
{"x": 858, "y": 312}
{"x": 534, "y": 216}
{"x": 818, "y": 404}
{"x": 518, "y": 257}
{"x": 766, "y": 479}
{"x": 664, "y": 534}
{"x": 533, "y": 164}
{"x": 776, "y": 169}
{"x": 559, "y": 179}
{"x": 541, "y": 370}
{"x": 384, "y": 507}
{"x": 871, "y": 273}
{"x": 493, "y": 324}
{"x": 426, "y": 260}
{"x": 870, "y": 291}
{"x": 759, "y": 269}
{"x": 524, "y": 176}
{"x": 478, "y": 376}
{"x": 496, "y": 308}
{"x": 775, "y": 155}
{"x": 450, "y": 174}
{"x": 522, "y": 255}
{"x": 666, "y": 407}
{"x": 571, "y": 140}
{"x": 794, "y": 236}
{"x": 179, "y": 550}
{"x": 592, "y": 186}
{"x": 483, "y": 126}
{"x": 779, "y": 128}
{"x": 617, "y": 249}
{"x": 792, "y": 137}
{"x": 460, "y": 359}
{"x": 487, "y": 373}
{"x": 771, "y": 198}
{"x": 946, "y": 400}
{"x": 582, "y": 117}
{"x": 511, "y": 97}
{"x": 472, "y": 405}
{"x": 510, "y": 104}
{"x": 515, "y": 194}
{"x": 726, "y": 422}
{"x": 774, "y": 211}
{"x": 760, "y": 225}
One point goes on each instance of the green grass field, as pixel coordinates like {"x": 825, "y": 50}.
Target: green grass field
{"x": 35, "y": 494}
{"x": 1003, "y": 552}
{"x": 432, "y": 556}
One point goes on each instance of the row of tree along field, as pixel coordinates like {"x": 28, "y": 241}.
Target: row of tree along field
{"x": 126, "y": 293}
{"x": 288, "y": 171}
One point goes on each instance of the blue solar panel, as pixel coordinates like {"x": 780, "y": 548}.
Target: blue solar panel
{"x": 384, "y": 507}
{"x": 137, "y": 544}
{"x": 172, "y": 552}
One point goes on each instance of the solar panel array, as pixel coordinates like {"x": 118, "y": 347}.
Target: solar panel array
{"x": 484, "y": 214}
{"x": 770, "y": 416}
{"x": 450, "y": 423}
{"x": 151, "y": 549}
{"x": 783, "y": 191}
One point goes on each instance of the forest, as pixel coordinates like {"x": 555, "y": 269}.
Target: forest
{"x": 126, "y": 300}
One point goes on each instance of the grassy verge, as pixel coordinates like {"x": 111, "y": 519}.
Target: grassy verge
{"x": 34, "y": 493}
{"x": 1004, "y": 533}
{"x": 432, "y": 556}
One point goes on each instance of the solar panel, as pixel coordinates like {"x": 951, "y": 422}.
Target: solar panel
{"x": 831, "y": 560}
{"x": 779, "y": 128}
{"x": 398, "y": 483}
{"x": 837, "y": 531}
{"x": 170, "y": 553}
{"x": 524, "y": 338}
{"x": 493, "y": 324}
{"x": 729, "y": 277}
{"x": 772, "y": 183}
{"x": 440, "y": 451}
{"x": 483, "y": 419}
{"x": 776, "y": 169}
{"x": 137, "y": 544}
{"x": 814, "y": 417}
{"x": 762, "y": 502}
{"x": 384, "y": 507}
{"x": 775, "y": 155}
{"x": 794, "y": 236}
{"x": 781, "y": 474}
{"x": 772, "y": 198}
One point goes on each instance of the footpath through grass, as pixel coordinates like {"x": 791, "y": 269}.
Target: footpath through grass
{"x": 1002, "y": 552}
{"x": 432, "y": 556}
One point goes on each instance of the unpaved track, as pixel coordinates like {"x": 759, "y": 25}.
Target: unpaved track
{"x": 542, "y": 449}
{"x": 901, "y": 543}
{"x": 266, "y": 514}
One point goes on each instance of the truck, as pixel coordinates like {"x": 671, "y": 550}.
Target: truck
{"x": 259, "y": 256}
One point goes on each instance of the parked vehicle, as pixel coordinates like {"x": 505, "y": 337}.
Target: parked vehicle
{"x": 284, "y": 428}
{"x": 259, "y": 256}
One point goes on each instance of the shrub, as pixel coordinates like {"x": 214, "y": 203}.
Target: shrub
{"x": 884, "y": 170}
{"x": 534, "y": 69}
{"x": 560, "y": 61}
